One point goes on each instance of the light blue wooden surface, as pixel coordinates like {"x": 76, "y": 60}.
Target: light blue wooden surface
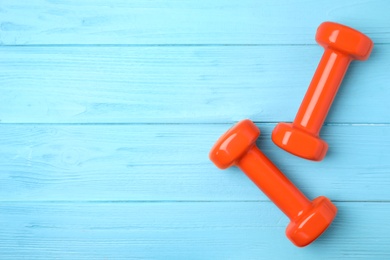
{"x": 108, "y": 110}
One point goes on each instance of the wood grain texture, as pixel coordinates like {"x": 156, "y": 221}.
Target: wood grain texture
{"x": 184, "y": 22}
{"x": 108, "y": 110}
{"x": 170, "y": 162}
{"x": 197, "y": 230}
{"x": 180, "y": 84}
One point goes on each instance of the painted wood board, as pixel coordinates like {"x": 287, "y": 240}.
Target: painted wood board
{"x": 180, "y": 84}
{"x": 186, "y": 230}
{"x": 170, "y": 162}
{"x": 184, "y": 21}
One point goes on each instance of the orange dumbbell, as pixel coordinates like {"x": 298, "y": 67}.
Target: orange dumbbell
{"x": 342, "y": 45}
{"x": 309, "y": 219}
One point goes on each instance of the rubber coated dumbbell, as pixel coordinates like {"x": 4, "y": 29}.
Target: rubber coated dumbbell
{"x": 308, "y": 219}
{"x": 342, "y": 45}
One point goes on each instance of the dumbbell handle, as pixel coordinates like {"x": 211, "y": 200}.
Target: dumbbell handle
{"x": 322, "y": 90}
{"x": 273, "y": 183}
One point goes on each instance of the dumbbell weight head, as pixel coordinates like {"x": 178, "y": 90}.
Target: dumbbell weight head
{"x": 298, "y": 142}
{"x": 312, "y": 223}
{"x": 233, "y": 144}
{"x": 344, "y": 39}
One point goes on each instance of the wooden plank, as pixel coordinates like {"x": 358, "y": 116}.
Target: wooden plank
{"x": 184, "y": 22}
{"x": 170, "y": 162}
{"x": 198, "y": 230}
{"x": 180, "y": 84}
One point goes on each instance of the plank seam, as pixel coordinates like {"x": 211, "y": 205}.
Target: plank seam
{"x": 167, "y": 45}
{"x": 167, "y": 201}
{"x": 185, "y": 123}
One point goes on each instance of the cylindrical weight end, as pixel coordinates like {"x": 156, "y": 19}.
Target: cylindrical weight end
{"x": 299, "y": 142}
{"x": 312, "y": 222}
{"x": 233, "y": 144}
